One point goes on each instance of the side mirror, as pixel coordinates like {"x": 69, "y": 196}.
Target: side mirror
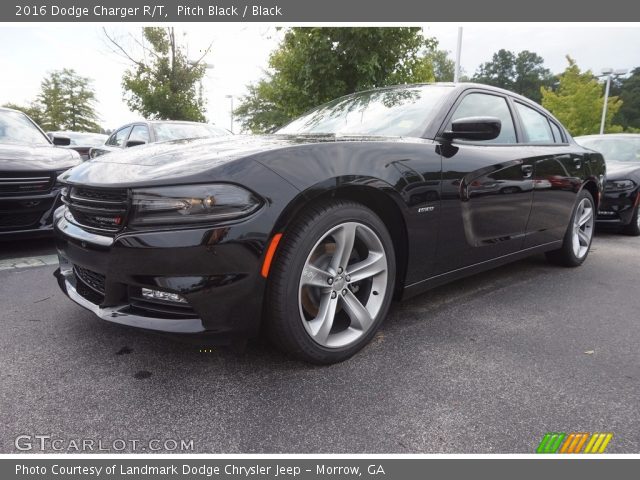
{"x": 474, "y": 128}
{"x": 61, "y": 141}
{"x": 134, "y": 143}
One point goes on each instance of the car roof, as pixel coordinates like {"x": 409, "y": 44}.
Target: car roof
{"x": 160, "y": 122}
{"x": 77, "y": 133}
{"x": 176, "y": 121}
{"x": 460, "y": 87}
{"x": 155, "y": 122}
{"x": 611, "y": 135}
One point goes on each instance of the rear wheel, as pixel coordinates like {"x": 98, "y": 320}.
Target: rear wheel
{"x": 577, "y": 239}
{"x": 633, "y": 228}
{"x": 332, "y": 282}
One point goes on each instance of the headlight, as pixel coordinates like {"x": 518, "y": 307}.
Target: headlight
{"x": 191, "y": 204}
{"x": 619, "y": 185}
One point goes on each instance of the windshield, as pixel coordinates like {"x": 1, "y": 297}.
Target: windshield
{"x": 17, "y": 129}
{"x": 178, "y": 131}
{"x": 396, "y": 112}
{"x": 621, "y": 149}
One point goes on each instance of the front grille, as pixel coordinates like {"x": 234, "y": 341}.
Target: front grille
{"x": 91, "y": 279}
{"x": 25, "y": 183}
{"x": 97, "y": 208}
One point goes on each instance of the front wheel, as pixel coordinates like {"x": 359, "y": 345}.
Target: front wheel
{"x": 332, "y": 282}
{"x": 577, "y": 239}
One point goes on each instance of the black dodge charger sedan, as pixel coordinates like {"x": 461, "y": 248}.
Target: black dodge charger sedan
{"x": 621, "y": 199}
{"x": 140, "y": 133}
{"x": 311, "y": 232}
{"x": 29, "y": 166}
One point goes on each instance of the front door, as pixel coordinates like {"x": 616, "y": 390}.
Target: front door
{"x": 487, "y": 189}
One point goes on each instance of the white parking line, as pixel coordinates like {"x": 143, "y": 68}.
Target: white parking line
{"x": 27, "y": 262}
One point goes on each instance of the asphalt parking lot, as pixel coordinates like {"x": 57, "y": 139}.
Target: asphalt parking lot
{"x": 487, "y": 364}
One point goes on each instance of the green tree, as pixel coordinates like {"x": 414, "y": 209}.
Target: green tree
{"x": 523, "y": 73}
{"x": 34, "y": 110}
{"x": 499, "y": 72}
{"x": 577, "y": 102}
{"x": 314, "y": 65}
{"x": 628, "y": 90}
{"x": 68, "y": 102}
{"x": 164, "y": 83}
{"x": 51, "y": 99}
{"x": 443, "y": 66}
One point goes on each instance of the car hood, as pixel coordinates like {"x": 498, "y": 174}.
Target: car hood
{"x": 183, "y": 159}
{"x": 36, "y": 158}
{"x": 622, "y": 170}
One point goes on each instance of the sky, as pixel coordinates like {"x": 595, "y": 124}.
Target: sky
{"x": 240, "y": 54}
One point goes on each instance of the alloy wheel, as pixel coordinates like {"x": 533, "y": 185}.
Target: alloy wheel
{"x": 582, "y": 228}
{"x": 343, "y": 285}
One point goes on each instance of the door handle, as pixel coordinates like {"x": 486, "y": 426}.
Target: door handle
{"x": 577, "y": 162}
{"x": 527, "y": 171}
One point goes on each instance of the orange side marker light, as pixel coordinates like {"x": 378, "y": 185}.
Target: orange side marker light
{"x": 270, "y": 253}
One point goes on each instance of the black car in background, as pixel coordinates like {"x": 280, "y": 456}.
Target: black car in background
{"x": 29, "y": 166}
{"x": 311, "y": 232}
{"x": 81, "y": 142}
{"x": 139, "y": 133}
{"x": 620, "y": 203}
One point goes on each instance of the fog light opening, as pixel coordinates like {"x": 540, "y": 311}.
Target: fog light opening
{"x": 151, "y": 294}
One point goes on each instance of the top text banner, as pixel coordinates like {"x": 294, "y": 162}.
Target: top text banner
{"x": 316, "y": 11}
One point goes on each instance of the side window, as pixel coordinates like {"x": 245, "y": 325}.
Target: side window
{"x": 536, "y": 125}
{"x": 117, "y": 139}
{"x": 140, "y": 133}
{"x": 557, "y": 135}
{"x": 485, "y": 105}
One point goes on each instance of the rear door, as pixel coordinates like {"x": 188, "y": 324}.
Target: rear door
{"x": 559, "y": 171}
{"x": 487, "y": 188}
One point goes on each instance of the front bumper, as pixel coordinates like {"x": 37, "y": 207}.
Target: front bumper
{"x": 119, "y": 314}
{"x": 215, "y": 269}
{"x": 616, "y": 208}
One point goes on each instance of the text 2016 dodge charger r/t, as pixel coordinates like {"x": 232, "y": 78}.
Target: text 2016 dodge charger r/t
{"x": 311, "y": 232}
{"x": 29, "y": 166}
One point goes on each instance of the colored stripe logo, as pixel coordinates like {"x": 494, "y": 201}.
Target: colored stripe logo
{"x": 574, "y": 442}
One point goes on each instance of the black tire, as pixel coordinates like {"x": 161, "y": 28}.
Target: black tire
{"x": 632, "y": 228}
{"x": 565, "y": 255}
{"x": 284, "y": 321}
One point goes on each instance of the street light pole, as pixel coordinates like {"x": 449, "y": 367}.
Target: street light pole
{"x": 230, "y": 97}
{"x": 609, "y": 73}
{"x": 456, "y": 72}
{"x": 606, "y": 101}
